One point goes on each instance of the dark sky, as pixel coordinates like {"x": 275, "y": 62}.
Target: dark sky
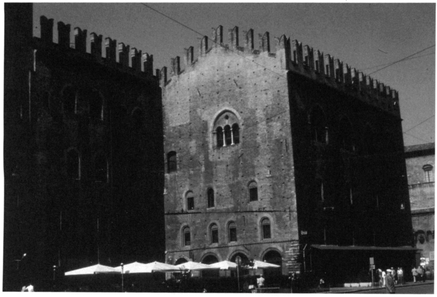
{"x": 366, "y": 36}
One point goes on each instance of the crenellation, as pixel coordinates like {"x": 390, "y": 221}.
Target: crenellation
{"x": 96, "y": 45}
{"x": 217, "y": 36}
{"x": 308, "y": 57}
{"x": 203, "y": 47}
{"x": 347, "y": 75}
{"x": 319, "y": 63}
{"x": 111, "y": 50}
{"x": 297, "y": 57}
{"x": 264, "y": 42}
{"x": 189, "y": 56}
{"x": 329, "y": 67}
{"x": 163, "y": 76}
{"x": 362, "y": 78}
{"x": 46, "y": 29}
{"x": 233, "y": 37}
{"x": 249, "y": 42}
{"x": 64, "y": 34}
{"x": 123, "y": 54}
{"x": 338, "y": 71}
{"x": 135, "y": 57}
{"x": 148, "y": 64}
{"x": 80, "y": 39}
{"x": 355, "y": 78}
{"x": 175, "y": 66}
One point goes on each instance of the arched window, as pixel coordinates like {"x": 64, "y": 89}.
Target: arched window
{"x": 101, "y": 168}
{"x": 171, "y": 162}
{"x": 265, "y": 229}
{"x": 186, "y": 236}
{"x": 232, "y": 229}
{"x": 190, "y": 200}
{"x": 219, "y": 135}
{"x": 253, "y": 191}
{"x": 213, "y": 231}
{"x": 236, "y": 133}
{"x": 73, "y": 164}
{"x": 96, "y": 105}
{"x": 210, "y": 194}
{"x": 429, "y": 174}
{"x": 346, "y": 135}
{"x": 69, "y": 99}
{"x": 319, "y": 130}
{"x": 228, "y": 135}
{"x": 226, "y": 129}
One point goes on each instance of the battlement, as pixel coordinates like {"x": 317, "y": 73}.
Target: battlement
{"x": 117, "y": 55}
{"x": 298, "y": 58}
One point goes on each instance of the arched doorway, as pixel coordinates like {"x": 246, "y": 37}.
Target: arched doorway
{"x": 273, "y": 257}
{"x": 180, "y": 261}
{"x": 244, "y": 261}
{"x": 210, "y": 259}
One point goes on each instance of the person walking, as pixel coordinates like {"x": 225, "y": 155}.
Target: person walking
{"x": 400, "y": 276}
{"x": 414, "y": 273}
{"x": 383, "y": 278}
{"x": 390, "y": 283}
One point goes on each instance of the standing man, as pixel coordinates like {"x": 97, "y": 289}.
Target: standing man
{"x": 260, "y": 281}
{"x": 389, "y": 282}
{"x": 414, "y": 272}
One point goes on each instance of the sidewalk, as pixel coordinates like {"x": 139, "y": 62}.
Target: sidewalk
{"x": 345, "y": 290}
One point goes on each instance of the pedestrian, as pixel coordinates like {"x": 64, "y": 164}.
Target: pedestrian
{"x": 383, "y": 278}
{"x": 390, "y": 283}
{"x": 421, "y": 273}
{"x": 380, "y": 277}
{"x": 400, "y": 276}
{"x": 394, "y": 274}
{"x": 414, "y": 273}
{"x": 260, "y": 281}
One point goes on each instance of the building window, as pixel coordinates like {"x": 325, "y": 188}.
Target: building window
{"x": 429, "y": 174}
{"x": 219, "y": 135}
{"x": 190, "y": 200}
{"x": 319, "y": 130}
{"x": 226, "y": 129}
{"x": 320, "y": 194}
{"x": 137, "y": 119}
{"x": 96, "y": 105}
{"x": 171, "y": 162}
{"x": 253, "y": 191}
{"x": 210, "y": 194}
{"x": 214, "y": 233}
{"x": 265, "y": 229}
{"x": 69, "y": 98}
{"x": 232, "y": 232}
{"x": 346, "y": 135}
{"x": 186, "y": 235}
{"x": 73, "y": 164}
{"x": 101, "y": 169}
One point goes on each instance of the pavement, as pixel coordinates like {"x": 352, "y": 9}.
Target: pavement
{"x": 346, "y": 290}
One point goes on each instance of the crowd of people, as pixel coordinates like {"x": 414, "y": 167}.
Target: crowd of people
{"x": 392, "y": 277}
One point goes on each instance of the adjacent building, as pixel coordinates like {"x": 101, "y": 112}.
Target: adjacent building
{"x": 83, "y": 140}
{"x": 420, "y": 168}
{"x": 288, "y": 156}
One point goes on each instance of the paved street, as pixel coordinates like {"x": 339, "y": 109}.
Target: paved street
{"x": 409, "y": 288}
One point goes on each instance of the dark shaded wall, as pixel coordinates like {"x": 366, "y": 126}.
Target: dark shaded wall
{"x": 106, "y": 205}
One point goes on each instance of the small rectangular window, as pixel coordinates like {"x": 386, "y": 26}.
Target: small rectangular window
{"x": 187, "y": 238}
{"x": 214, "y": 236}
{"x": 253, "y": 192}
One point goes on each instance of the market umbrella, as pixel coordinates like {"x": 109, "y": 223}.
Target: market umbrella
{"x": 137, "y": 267}
{"x": 190, "y": 265}
{"x": 224, "y": 265}
{"x": 263, "y": 265}
{"x": 94, "y": 269}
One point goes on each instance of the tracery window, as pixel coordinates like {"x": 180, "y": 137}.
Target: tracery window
{"x": 226, "y": 130}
